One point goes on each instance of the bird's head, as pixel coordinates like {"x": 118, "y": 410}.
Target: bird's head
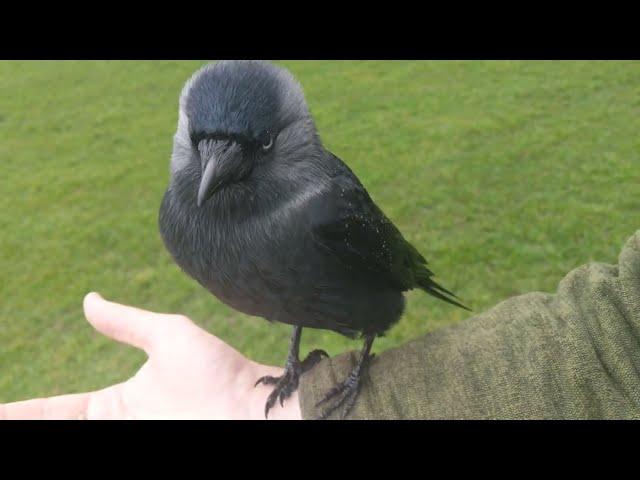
{"x": 237, "y": 117}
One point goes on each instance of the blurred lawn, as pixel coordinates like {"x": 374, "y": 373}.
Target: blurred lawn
{"x": 506, "y": 175}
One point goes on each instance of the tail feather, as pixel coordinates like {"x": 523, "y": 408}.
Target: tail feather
{"x": 423, "y": 279}
{"x": 438, "y": 291}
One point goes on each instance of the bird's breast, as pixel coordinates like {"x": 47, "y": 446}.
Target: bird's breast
{"x": 246, "y": 260}
{"x": 265, "y": 262}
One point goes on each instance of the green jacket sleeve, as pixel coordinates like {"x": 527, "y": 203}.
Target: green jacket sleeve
{"x": 571, "y": 355}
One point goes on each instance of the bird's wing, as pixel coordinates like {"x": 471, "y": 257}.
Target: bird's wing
{"x": 353, "y": 228}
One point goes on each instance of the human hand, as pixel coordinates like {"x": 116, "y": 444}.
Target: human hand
{"x": 190, "y": 374}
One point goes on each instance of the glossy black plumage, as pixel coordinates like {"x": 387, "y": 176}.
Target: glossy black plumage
{"x": 336, "y": 264}
{"x": 274, "y": 225}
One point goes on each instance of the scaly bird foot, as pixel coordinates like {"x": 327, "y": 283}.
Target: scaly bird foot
{"x": 346, "y": 392}
{"x": 286, "y": 384}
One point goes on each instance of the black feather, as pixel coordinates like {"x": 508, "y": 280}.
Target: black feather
{"x": 296, "y": 238}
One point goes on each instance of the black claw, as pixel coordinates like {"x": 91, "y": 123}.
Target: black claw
{"x": 331, "y": 393}
{"x": 284, "y": 386}
{"x": 267, "y": 380}
{"x": 273, "y": 397}
{"x": 288, "y": 382}
{"x": 312, "y": 359}
{"x": 346, "y": 392}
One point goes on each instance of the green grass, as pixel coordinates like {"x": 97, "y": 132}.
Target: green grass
{"x": 506, "y": 175}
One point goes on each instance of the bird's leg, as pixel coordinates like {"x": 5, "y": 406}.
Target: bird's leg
{"x": 286, "y": 384}
{"x": 347, "y": 392}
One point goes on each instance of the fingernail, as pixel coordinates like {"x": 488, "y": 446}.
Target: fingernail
{"x": 93, "y": 294}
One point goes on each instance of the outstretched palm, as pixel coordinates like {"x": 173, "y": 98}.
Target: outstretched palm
{"x": 189, "y": 374}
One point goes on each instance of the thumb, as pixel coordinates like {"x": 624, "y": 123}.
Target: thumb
{"x": 125, "y": 324}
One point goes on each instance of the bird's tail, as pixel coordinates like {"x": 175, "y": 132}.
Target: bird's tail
{"x": 432, "y": 288}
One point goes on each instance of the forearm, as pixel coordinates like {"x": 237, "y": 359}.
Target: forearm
{"x": 574, "y": 354}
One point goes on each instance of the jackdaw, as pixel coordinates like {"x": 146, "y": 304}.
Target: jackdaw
{"x": 275, "y": 225}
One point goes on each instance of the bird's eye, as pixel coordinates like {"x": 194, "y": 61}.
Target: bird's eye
{"x": 267, "y": 143}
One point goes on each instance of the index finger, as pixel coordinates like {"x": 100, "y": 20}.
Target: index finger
{"x": 63, "y": 407}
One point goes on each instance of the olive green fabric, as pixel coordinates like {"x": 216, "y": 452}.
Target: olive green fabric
{"x": 571, "y": 355}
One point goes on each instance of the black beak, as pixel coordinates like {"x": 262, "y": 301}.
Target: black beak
{"x": 208, "y": 183}
{"x": 221, "y": 163}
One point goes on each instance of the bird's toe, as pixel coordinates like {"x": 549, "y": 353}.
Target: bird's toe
{"x": 345, "y": 394}
{"x": 284, "y": 387}
{"x": 267, "y": 380}
{"x": 312, "y": 360}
